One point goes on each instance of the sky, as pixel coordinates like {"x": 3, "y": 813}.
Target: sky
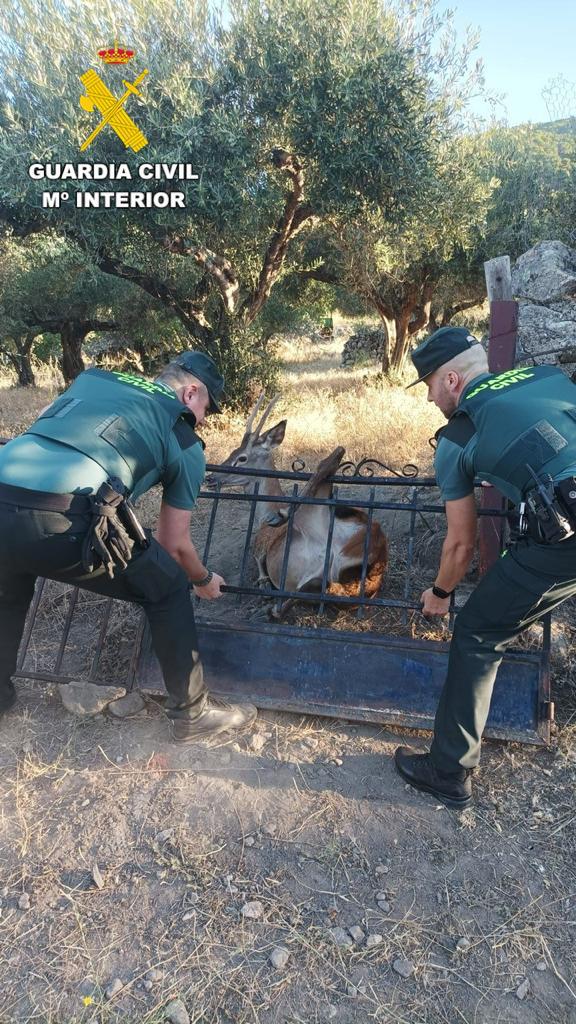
{"x": 523, "y": 45}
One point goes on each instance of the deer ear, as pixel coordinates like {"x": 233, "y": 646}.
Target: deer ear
{"x": 274, "y": 436}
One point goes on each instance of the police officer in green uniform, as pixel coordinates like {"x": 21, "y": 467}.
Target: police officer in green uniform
{"x": 516, "y": 430}
{"x": 62, "y": 484}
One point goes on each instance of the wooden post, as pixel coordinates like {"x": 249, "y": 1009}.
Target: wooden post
{"x": 498, "y": 279}
{"x": 501, "y": 356}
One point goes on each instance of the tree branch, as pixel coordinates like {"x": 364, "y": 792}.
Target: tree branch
{"x": 217, "y": 267}
{"x": 459, "y": 307}
{"x": 295, "y": 215}
{"x": 191, "y": 316}
{"x": 321, "y": 273}
{"x": 422, "y": 311}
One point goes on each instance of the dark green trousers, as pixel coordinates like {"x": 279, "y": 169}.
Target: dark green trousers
{"x": 528, "y": 581}
{"x": 38, "y": 543}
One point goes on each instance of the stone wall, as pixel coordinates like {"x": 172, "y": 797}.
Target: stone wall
{"x": 365, "y": 346}
{"x": 544, "y": 283}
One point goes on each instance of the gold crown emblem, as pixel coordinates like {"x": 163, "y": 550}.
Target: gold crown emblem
{"x": 116, "y": 54}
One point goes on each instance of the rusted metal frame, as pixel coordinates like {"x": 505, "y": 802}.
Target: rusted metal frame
{"x": 30, "y": 623}
{"x": 215, "y": 502}
{"x": 52, "y": 677}
{"x": 246, "y": 552}
{"x": 101, "y": 637}
{"x": 66, "y": 632}
{"x": 280, "y": 474}
{"x": 364, "y": 569}
{"x": 545, "y": 691}
{"x": 133, "y": 667}
{"x": 289, "y": 533}
{"x": 318, "y": 597}
{"x": 410, "y": 555}
{"x": 326, "y": 568}
{"x": 291, "y": 499}
{"x": 287, "y": 543}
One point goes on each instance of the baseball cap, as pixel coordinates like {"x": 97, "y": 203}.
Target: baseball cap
{"x": 440, "y": 348}
{"x": 204, "y": 368}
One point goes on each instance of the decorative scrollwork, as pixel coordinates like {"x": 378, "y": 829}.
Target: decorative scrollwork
{"x": 366, "y": 468}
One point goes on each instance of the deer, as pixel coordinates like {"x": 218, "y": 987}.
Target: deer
{"x": 310, "y": 523}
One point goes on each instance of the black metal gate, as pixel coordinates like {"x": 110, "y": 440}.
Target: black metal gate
{"x": 360, "y": 658}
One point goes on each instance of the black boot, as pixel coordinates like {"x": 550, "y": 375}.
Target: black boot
{"x": 7, "y": 699}
{"x": 215, "y": 717}
{"x": 453, "y": 789}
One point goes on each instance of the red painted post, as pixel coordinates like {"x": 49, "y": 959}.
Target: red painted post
{"x": 501, "y": 356}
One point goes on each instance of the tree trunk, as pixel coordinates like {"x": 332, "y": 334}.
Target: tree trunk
{"x": 389, "y": 328}
{"x": 402, "y": 344}
{"x": 20, "y": 360}
{"x": 72, "y": 334}
{"x": 21, "y": 363}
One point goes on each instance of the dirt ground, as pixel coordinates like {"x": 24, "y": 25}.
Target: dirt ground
{"x": 134, "y": 873}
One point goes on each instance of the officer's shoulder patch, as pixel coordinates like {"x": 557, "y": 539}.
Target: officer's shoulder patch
{"x": 459, "y": 430}
{"x": 185, "y": 434}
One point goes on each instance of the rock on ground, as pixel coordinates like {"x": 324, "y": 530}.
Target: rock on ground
{"x": 279, "y": 957}
{"x": 253, "y": 910}
{"x": 114, "y": 988}
{"x": 176, "y": 1012}
{"x": 86, "y": 699}
{"x": 403, "y": 967}
{"x": 523, "y": 989}
{"x": 126, "y": 707}
{"x": 340, "y": 937}
{"x": 154, "y": 975}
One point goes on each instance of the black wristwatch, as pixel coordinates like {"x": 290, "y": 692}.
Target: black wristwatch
{"x": 438, "y": 592}
{"x": 204, "y": 581}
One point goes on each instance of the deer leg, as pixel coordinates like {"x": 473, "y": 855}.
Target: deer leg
{"x": 263, "y": 577}
{"x": 280, "y": 608}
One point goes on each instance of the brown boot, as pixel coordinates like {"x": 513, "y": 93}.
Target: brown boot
{"x": 216, "y": 716}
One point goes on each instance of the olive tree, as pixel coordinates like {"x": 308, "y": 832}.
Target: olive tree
{"x": 292, "y": 121}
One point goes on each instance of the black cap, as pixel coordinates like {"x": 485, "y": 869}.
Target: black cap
{"x": 204, "y": 369}
{"x": 440, "y": 348}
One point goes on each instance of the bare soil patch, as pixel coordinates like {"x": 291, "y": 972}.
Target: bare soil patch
{"x": 126, "y": 862}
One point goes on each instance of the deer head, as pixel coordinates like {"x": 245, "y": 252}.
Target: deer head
{"x": 256, "y": 451}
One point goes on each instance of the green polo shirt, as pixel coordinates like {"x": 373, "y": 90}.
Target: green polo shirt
{"x": 503, "y": 423}
{"x": 110, "y": 424}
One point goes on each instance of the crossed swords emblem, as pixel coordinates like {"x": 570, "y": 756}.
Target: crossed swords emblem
{"x": 112, "y": 110}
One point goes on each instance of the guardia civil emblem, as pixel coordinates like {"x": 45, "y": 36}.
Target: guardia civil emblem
{"x": 98, "y": 97}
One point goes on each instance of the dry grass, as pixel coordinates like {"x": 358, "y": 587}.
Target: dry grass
{"x": 327, "y": 406}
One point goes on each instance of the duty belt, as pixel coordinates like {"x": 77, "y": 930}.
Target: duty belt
{"x": 548, "y": 512}
{"x": 44, "y": 501}
{"x": 114, "y": 527}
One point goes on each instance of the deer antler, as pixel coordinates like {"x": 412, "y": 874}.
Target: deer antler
{"x": 250, "y": 420}
{"x": 266, "y": 413}
{"x": 252, "y": 416}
